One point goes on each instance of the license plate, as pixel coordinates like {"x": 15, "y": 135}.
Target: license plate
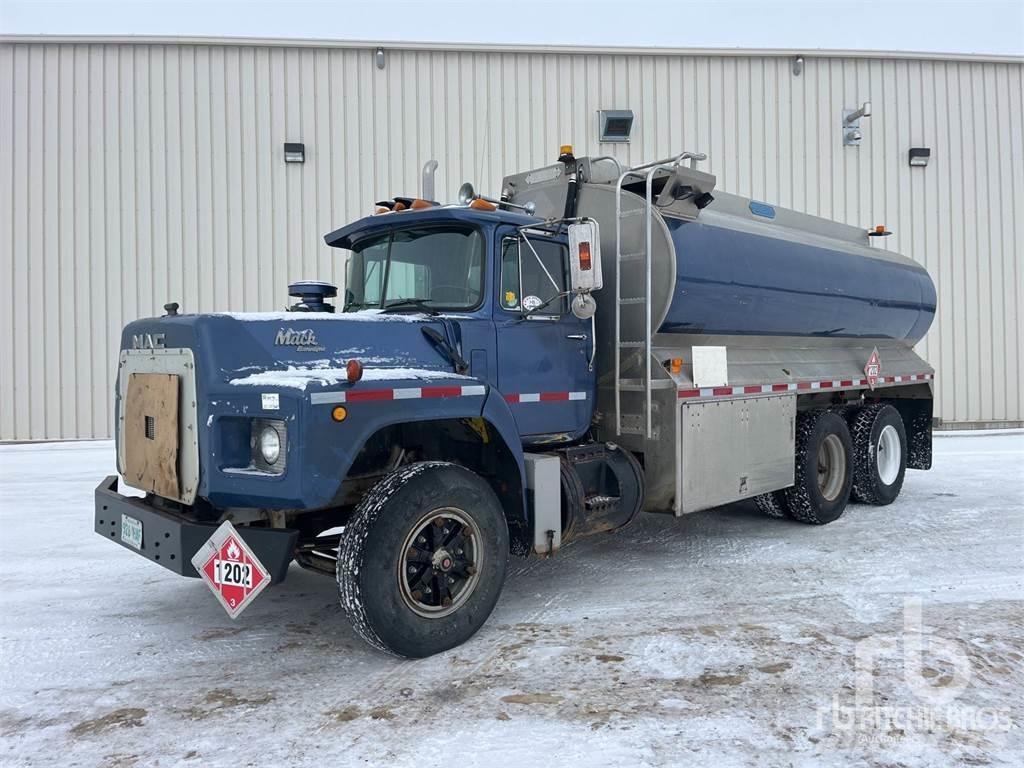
{"x": 131, "y": 531}
{"x": 229, "y": 573}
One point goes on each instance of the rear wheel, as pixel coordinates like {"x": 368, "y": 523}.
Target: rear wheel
{"x": 880, "y": 454}
{"x": 824, "y": 468}
{"x": 422, "y": 560}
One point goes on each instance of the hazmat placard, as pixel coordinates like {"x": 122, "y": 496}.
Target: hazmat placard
{"x": 873, "y": 368}
{"x": 231, "y": 569}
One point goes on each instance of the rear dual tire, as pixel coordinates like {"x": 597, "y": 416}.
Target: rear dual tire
{"x": 824, "y": 469}
{"x": 856, "y": 454}
{"x": 879, "y": 454}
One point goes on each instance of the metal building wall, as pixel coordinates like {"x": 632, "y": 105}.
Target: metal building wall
{"x": 136, "y": 173}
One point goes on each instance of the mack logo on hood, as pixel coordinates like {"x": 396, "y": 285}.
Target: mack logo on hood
{"x": 148, "y": 341}
{"x": 304, "y": 340}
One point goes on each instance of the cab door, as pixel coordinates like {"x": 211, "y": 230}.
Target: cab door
{"x": 543, "y": 356}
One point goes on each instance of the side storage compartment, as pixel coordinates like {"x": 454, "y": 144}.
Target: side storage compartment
{"x": 734, "y": 449}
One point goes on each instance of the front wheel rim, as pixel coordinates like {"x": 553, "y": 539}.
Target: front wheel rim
{"x": 888, "y": 455}
{"x": 439, "y": 563}
{"x": 831, "y": 467}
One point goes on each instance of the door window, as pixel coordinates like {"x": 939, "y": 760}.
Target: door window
{"x": 544, "y": 266}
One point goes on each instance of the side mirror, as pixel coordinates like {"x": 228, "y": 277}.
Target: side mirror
{"x": 585, "y": 257}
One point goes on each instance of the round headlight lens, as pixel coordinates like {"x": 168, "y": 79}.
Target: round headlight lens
{"x": 270, "y": 445}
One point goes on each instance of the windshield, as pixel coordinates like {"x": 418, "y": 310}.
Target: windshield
{"x": 432, "y": 267}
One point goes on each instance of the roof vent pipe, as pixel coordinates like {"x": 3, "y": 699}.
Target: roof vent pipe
{"x": 427, "y": 186}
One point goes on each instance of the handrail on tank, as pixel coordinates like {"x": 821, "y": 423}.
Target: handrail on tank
{"x": 693, "y": 157}
{"x": 609, "y": 159}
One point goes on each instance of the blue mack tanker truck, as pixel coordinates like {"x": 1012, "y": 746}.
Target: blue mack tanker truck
{"x": 504, "y": 375}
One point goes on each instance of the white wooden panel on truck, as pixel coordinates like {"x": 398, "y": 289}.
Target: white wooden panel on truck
{"x": 735, "y": 449}
{"x": 710, "y": 366}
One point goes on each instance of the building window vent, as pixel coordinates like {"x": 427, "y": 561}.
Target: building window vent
{"x": 614, "y": 124}
{"x": 919, "y": 156}
{"x": 150, "y": 428}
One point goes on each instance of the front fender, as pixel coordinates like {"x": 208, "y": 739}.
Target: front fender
{"x": 321, "y": 450}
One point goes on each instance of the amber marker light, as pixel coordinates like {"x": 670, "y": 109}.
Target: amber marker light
{"x": 479, "y": 204}
{"x": 339, "y": 413}
{"x": 354, "y": 370}
{"x": 676, "y": 365}
{"x": 586, "y": 264}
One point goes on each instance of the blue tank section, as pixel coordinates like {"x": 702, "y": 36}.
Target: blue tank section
{"x": 735, "y": 282}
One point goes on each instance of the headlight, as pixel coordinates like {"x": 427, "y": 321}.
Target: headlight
{"x": 270, "y": 445}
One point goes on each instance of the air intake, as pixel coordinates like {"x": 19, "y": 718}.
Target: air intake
{"x": 312, "y": 296}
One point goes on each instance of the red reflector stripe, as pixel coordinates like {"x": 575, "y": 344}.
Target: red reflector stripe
{"x": 357, "y": 395}
{"x": 803, "y": 386}
{"x": 442, "y": 391}
{"x": 547, "y": 397}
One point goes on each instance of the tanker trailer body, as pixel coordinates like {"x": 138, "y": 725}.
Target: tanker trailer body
{"x": 483, "y": 390}
{"x": 740, "y": 343}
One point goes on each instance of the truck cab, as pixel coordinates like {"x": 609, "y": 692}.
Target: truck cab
{"x": 452, "y": 368}
{"x": 500, "y": 289}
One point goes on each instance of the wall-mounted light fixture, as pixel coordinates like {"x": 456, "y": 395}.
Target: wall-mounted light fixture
{"x": 379, "y": 58}
{"x": 294, "y": 153}
{"x": 851, "y": 124}
{"x": 614, "y": 125}
{"x": 919, "y": 156}
{"x": 798, "y": 66}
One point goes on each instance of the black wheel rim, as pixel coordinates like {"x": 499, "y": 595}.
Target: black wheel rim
{"x": 439, "y": 563}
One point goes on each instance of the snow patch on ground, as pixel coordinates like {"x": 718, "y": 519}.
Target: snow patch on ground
{"x": 719, "y": 638}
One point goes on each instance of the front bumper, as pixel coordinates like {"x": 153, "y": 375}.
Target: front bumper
{"x": 172, "y": 540}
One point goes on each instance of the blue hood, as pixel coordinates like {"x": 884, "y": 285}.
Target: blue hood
{"x": 228, "y": 348}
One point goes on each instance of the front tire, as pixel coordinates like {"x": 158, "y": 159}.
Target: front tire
{"x": 824, "y": 468}
{"x": 422, "y": 560}
{"x": 880, "y": 454}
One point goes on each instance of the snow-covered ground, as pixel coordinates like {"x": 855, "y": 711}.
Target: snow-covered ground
{"x": 723, "y": 638}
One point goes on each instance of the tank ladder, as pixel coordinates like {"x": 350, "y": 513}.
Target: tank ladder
{"x": 626, "y": 346}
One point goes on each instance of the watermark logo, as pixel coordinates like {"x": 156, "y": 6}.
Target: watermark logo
{"x": 936, "y": 671}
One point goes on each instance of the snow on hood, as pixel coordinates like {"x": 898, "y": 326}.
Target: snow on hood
{"x": 362, "y": 316}
{"x": 301, "y": 377}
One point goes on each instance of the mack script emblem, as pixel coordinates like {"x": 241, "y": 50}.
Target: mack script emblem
{"x": 304, "y": 340}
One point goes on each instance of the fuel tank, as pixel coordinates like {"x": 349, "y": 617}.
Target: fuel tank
{"x": 734, "y": 266}
{"x": 737, "y": 277}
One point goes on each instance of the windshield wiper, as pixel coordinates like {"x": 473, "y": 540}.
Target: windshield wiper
{"x": 420, "y": 304}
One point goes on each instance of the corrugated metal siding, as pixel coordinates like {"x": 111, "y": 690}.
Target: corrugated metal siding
{"x": 135, "y": 174}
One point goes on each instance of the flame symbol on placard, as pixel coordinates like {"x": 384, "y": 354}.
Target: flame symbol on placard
{"x": 233, "y": 551}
